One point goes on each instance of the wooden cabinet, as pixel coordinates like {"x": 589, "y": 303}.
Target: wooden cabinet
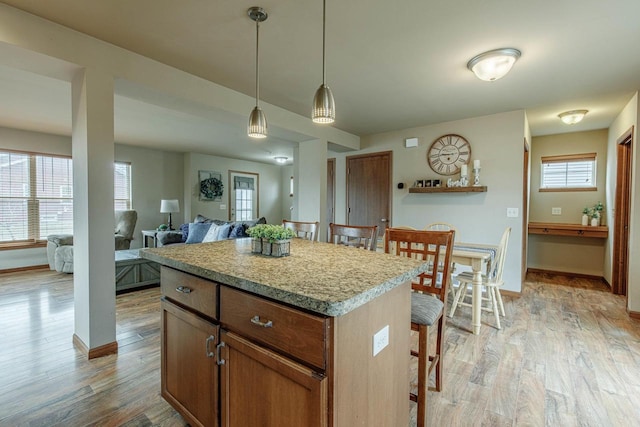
{"x": 189, "y": 373}
{"x": 236, "y": 359}
{"x": 259, "y": 384}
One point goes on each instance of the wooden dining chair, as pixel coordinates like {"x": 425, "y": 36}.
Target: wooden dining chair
{"x": 445, "y": 226}
{"x": 305, "y": 230}
{"x": 359, "y": 236}
{"x": 491, "y": 283}
{"x": 428, "y": 301}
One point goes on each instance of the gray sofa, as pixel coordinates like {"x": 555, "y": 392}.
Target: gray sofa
{"x": 60, "y": 246}
{"x": 204, "y": 229}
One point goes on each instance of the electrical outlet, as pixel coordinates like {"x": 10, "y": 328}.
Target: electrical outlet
{"x": 223, "y": 207}
{"x": 380, "y": 340}
{"x": 556, "y": 211}
{"x": 512, "y": 212}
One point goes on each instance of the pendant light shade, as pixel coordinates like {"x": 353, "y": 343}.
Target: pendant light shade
{"x": 257, "y": 127}
{"x": 324, "y": 108}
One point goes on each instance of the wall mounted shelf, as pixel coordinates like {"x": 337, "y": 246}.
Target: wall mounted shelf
{"x": 574, "y": 230}
{"x": 480, "y": 189}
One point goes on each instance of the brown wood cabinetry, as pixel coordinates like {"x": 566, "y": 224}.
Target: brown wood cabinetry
{"x": 258, "y": 384}
{"x": 189, "y": 373}
{"x": 230, "y": 358}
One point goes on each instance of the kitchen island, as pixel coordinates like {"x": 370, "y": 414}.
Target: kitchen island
{"x": 255, "y": 340}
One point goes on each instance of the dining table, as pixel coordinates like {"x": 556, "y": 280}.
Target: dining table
{"x": 479, "y": 257}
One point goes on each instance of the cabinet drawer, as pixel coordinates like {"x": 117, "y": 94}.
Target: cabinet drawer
{"x": 300, "y": 335}
{"x": 191, "y": 291}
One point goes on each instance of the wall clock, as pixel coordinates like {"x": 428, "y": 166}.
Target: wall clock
{"x": 448, "y": 153}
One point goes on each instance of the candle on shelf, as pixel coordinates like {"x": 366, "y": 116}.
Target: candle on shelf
{"x": 476, "y": 164}
{"x": 463, "y": 170}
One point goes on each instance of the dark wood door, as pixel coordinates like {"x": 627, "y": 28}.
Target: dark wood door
{"x": 622, "y": 215}
{"x": 369, "y": 190}
{"x": 260, "y": 387}
{"x": 189, "y": 373}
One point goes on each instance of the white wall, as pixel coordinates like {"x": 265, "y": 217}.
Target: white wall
{"x": 627, "y": 118}
{"x": 497, "y": 140}
{"x": 271, "y": 190}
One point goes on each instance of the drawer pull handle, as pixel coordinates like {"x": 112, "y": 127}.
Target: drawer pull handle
{"x": 256, "y": 321}
{"x": 206, "y": 346}
{"x": 183, "y": 289}
{"x": 219, "y": 360}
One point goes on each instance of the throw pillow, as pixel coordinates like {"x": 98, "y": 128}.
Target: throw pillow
{"x": 184, "y": 228}
{"x": 201, "y": 219}
{"x": 237, "y": 231}
{"x": 198, "y": 231}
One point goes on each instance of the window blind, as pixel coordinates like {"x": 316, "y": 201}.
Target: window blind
{"x": 571, "y": 171}
{"x": 122, "y": 185}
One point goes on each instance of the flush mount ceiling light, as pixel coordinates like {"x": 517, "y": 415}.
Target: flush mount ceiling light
{"x": 572, "y": 117}
{"x": 495, "y": 64}
{"x": 324, "y": 108}
{"x": 281, "y": 159}
{"x": 257, "y": 121}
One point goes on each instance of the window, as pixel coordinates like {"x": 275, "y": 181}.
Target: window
{"x": 575, "y": 172}
{"x": 243, "y": 199}
{"x": 36, "y": 195}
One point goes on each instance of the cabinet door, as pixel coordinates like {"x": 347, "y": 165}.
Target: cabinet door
{"x": 262, "y": 388}
{"x": 189, "y": 369}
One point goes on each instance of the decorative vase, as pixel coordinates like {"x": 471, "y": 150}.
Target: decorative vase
{"x": 585, "y": 219}
{"x": 279, "y": 248}
{"x": 594, "y": 222}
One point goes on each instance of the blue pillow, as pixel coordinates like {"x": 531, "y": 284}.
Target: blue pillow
{"x": 184, "y": 228}
{"x": 197, "y": 232}
{"x": 238, "y": 231}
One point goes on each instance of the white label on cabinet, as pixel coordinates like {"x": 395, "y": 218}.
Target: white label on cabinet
{"x": 380, "y": 340}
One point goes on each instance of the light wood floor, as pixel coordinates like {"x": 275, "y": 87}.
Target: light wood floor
{"x": 567, "y": 355}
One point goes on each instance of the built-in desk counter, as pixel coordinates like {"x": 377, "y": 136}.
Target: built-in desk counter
{"x": 572, "y": 230}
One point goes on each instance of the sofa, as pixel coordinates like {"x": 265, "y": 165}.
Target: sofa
{"x": 60, "y": 246}
{"x": 204, "y": 229}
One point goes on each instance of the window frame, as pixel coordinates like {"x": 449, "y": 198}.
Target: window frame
{"x": 567, "y": 159}
{"x": 33, "y": 199}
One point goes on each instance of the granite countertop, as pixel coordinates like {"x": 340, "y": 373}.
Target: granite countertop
{"x": 321, "y": 277}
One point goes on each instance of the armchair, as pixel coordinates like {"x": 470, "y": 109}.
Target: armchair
{"x": 60, "y": 246}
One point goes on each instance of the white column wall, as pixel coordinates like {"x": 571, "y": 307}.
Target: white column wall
{"x": 311, "y": 163}
{"x": 93, "y": 211}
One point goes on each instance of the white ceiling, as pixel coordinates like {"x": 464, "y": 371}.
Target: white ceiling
{"x": 390, "y": 65}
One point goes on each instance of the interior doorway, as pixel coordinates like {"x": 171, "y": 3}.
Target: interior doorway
{"x": 622, "y": 215}
{"x": 369, "y": 190}
{"x": 525, "y": 209}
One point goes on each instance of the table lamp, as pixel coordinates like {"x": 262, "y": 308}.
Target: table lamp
{"x": 169, "y": 206}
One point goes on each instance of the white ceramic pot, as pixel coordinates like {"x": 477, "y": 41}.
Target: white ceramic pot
{"x": 594, "y": 222}
{"x": 585, "y": 219}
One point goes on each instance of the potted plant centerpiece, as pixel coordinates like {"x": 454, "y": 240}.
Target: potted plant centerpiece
{"x": 269, "y": 239}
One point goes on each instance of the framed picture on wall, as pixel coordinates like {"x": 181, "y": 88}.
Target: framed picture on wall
{"x": 210, "y": 184}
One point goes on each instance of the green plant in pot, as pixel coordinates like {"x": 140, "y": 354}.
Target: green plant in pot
{"x": 270, "y": 239}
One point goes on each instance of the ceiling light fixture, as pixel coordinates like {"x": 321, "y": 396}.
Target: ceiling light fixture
{"x": 324, "y": 108}
{"x": 495, "y": 64}
{"x": 572, "y": 117}
{"x": 281, "y": 159}
{"x": 257, "y": 121}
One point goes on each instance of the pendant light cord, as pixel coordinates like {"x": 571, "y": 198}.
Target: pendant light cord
{"x": 257, "y": 61}
{"x": 324, "y": 20}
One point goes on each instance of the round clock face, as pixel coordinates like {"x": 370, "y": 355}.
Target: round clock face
{"x": 448, "y": 153}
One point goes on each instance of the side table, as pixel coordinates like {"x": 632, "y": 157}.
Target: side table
{"x": 149, "y": 234}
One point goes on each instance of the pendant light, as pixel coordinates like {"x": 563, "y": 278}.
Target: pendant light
{"x": 257, "y": 121}
{"x": 324, "y": 108}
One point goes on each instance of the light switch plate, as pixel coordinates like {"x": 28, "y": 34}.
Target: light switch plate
{"x": 223, "y": 207}
{"x": 512, "y": 212}
{"x": 380, "y": 340}
{"x": 556, "y": 211}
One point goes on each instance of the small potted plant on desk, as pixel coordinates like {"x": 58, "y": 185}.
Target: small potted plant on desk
{"x": 271, "y": 240}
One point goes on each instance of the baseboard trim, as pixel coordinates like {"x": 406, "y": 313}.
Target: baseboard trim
{"x": 103, "y": 350}
{"x": 27, "y": 268}
{"x": 566, "y": 273}
{"x": 634, "y": 314}
{"x": 512, "y": 294}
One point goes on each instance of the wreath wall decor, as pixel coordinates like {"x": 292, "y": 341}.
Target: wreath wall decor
{"x": 211, "y": 186}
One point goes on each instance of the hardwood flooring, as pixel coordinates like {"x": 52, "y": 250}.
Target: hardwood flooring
{"x": 568, "y": 355}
